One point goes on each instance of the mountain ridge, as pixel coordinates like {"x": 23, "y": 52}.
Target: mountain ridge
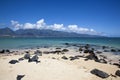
{"x": 40, "y": 33}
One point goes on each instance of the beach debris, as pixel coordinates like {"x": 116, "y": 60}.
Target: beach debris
{"x": 99, "y": 73}
{"x": 38, "y": 52}
{"x": 64, "y": 57}
{"x": 13, "y": 61}
{"x": 65, "y": 50}
{"x": 117, "y": 73}
{"x": 19, "y": 77}
{"x": 27, "y": 56}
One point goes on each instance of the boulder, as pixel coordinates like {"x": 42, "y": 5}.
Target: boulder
{"x": 99, "y": 73}
{"x": 117, "y": 73}
{"x": 27, "y": 56}
{"x": 65, "y": 50}
{"x": 13, "y": 61}
{"x": 64, "y": 57}
{"x": 7, "y": 50}
{"x": 19, "y": 77}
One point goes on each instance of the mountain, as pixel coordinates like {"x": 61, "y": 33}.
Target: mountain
{"x": 6, "y": 32}
{"x": 40, "y": 33}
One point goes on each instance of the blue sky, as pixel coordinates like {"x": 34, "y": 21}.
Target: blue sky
{"x": 102, "y": 16}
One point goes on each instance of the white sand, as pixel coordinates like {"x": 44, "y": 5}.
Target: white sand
{"x": 53, "y": 69}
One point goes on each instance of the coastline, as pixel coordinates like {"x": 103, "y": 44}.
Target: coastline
{"x": 53, "y": 67}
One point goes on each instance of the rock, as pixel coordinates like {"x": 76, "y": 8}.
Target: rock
{"x": 98, "y": 52}
{"x": 37, "y": 52}
{"x": 117, "y": 73}
{"x": 19, "y": 77}
{"x": 46, "y": 52}
{"x": 103, "y": 61}
{"x": 103, "y": 47}
{"x": 58, "y": 48}
{"x": 7, "y": 50}
{"x": 27, "y": 56}
{"x": 92, "y": 56}
{"x": 99, "y": 73}
{"x": 87, "y": 46}
{"x": 21, "y": 59}
{"x": 117, "y": 64}
{"x": 80, "y": 49}
{"x": 64, "y": 57}
{"x": 2, "y": 51}
{"x": 65, "y": 50}
{"x": 103, "y": 56}
{"x": 86, "y": 51}
{"x": 113, "y": 50}
{"x": 73, "y": 58}
{"x": 13, "y": 61}
{"x": 66, "y": 43}
{"x": 34, "y": 59}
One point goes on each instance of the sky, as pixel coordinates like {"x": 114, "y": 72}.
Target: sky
{"x": 101, "y": 17}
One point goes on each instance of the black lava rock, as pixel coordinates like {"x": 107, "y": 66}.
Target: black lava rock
{"x": 65, "y": 50}
{"x": 37, "y": 52}
{"x": 13, "y": 61}
{"x": 99, "y": 73}
{"x": 64, "y": 57}
{"x": 34, "y": 59}
{"x": 19, "y": 77}
{"x": 117, "y": 73}
{"x": 2, "y": 51}
{"x": 21, "y": 59}
{"x": 27, "y": 56}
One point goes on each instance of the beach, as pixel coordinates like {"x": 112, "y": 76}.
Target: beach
{"x": 53, "y": 66}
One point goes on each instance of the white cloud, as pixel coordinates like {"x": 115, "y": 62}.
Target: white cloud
{"x": 40, "y": 24}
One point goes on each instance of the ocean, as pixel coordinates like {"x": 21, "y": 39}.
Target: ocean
{"x": 19, "y": 43}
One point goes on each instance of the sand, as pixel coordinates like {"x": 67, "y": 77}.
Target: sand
{"x": 53, "y": 69}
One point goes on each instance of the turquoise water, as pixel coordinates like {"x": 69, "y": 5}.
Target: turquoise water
{"x": 16, "y": 43}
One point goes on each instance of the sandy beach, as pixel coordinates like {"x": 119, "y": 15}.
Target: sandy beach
{"x": 53, "y": 67}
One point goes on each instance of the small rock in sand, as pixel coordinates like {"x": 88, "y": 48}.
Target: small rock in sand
{"x": 99, "y": 73}
{"x": 64, "y": 57}
{"x": 27, "y": 56}
{"x": 117, "y": 73}
{"x": 13, "y": 61}
{"x": 19, "y": 77}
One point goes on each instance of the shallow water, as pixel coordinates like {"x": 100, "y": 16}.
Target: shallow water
{"x": 16, "y": 43}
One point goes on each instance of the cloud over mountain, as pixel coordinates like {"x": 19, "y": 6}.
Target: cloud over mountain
{"x": 40, "y": 24}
